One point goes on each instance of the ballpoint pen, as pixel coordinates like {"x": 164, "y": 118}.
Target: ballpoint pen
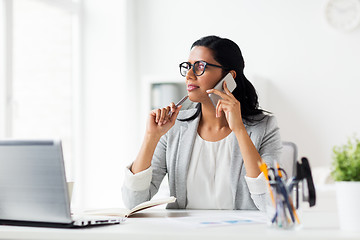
{"x": 178, "y": 104}
{"x": 286, "y": 199}
{"x": 284, "y": 191}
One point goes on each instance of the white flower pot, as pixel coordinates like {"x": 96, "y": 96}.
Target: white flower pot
{"x": 348, "y": 197}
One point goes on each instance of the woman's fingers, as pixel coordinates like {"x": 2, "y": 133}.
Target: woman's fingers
{"x": 172, "y": 106}
{"x": 223, "y": 95}
{"x": 160, "y": 121}
{"x": 163, "y": 115}
{"x": 225, "y": 106}
{"x": 227, "y": 91}
{"x": 170, "y": 111}
{"x": 157, "y": 114}
{"x": 175, "y": 113}
{"x": 217, "y": 92}
{"x": 218, "y": 109}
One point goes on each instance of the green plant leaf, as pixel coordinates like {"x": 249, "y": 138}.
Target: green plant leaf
{"x": 346, "y": 161}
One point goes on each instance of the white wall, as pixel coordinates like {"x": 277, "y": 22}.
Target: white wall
{"x": 307, "y": 73}
{"x": 110, "y": 101}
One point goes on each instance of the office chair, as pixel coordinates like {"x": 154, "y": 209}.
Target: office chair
{"x": 288, "y": 158}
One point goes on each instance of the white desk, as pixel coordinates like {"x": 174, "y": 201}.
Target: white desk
{"x": 318, "y": 223}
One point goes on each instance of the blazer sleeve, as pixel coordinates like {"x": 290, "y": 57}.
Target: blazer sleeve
{"x": 270, "y": 151}
{"x": 271, "y": 145}
{"x": 141, "y": 187}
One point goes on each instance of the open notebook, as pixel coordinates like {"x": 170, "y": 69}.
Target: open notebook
{"x": 123, "y": 212}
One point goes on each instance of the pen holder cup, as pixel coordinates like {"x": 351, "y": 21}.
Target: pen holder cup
{"x": 283, "y": 211}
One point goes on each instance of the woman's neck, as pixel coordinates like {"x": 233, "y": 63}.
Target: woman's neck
{"x": 211, "y": 128}
{"x": 209, "y": 119}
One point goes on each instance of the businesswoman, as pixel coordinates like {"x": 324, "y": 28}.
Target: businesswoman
{"x": 210, "y": 154}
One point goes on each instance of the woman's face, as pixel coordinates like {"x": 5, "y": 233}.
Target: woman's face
{"x": 197, "y": 85}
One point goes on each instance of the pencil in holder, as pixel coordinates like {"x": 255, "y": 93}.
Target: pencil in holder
{"x": 284, "y": 215}
{"x": 286, "y": 195}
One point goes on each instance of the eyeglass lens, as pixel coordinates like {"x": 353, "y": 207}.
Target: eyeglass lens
{"x": 198, "y": 68}
{"x": 184, "y": 68}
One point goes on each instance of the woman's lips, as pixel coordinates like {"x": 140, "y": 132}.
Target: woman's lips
{"x": 191, "y": 87}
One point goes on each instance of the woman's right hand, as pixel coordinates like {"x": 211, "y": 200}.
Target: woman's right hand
{"x": 160, "y": 122}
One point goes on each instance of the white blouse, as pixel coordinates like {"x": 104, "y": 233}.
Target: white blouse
{"x": 208, "y": 180}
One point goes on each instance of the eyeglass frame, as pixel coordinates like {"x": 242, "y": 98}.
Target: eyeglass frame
{"x": 192, "y": 67}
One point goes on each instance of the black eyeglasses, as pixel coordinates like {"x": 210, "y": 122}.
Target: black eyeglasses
{"x": 198, "y": 67}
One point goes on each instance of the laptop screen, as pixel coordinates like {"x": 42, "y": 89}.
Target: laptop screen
{"x": 33, "y": 182}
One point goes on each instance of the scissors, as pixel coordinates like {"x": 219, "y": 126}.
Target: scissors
{"x": 303, "y": 175}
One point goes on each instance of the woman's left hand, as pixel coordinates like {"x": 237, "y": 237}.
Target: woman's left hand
{"x": 230, "y": 106}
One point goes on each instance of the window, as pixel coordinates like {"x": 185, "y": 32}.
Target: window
{"x": 40, "y": 89}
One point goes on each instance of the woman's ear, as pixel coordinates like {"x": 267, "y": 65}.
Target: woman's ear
{"x": 233, "y": 73}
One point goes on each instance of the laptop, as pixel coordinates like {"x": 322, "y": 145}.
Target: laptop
{"x": 33, "y": 188}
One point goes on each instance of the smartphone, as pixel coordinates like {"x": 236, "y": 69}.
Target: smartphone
{"x": 231, "y": 85}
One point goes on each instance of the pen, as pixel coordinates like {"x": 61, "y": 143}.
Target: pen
{"x": 278, "y": 168}
{"x": 263, "y": 168}
{"x": 178, "y": 104}
{"x": 294, "y": 210}
{"x": 283, "y": 191}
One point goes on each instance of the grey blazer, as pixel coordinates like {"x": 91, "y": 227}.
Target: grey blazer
{"x": 173, "y": 153}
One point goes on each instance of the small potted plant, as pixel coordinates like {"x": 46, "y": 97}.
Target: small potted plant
{"x": 346, "y": 173}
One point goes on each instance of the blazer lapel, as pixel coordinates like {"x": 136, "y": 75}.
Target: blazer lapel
{"x": 187, "y": 137}
{"x": 235, "y": 167}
